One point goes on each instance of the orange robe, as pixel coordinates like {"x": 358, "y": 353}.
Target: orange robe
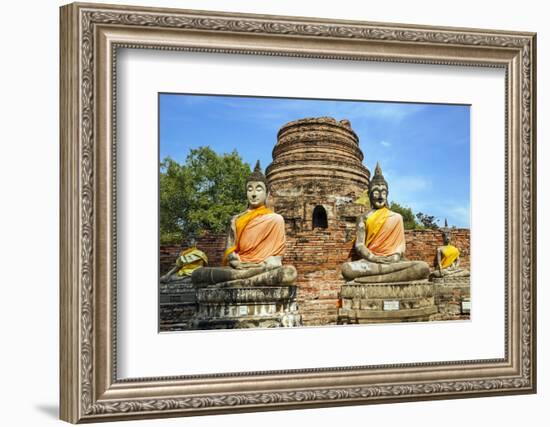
{"x": 260, "y": 237}
{"x": 390, "y": 237}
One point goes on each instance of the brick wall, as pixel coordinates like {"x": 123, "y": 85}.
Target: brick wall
{"x": 422, "y": 244}
{"x": 213, "y": 245}
{"x": 318, "y": 256}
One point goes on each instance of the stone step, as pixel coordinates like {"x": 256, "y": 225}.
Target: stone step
{"x": 385, "y": 316}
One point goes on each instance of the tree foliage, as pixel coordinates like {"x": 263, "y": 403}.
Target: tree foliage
{"x": 427, "y": 221}
{"x": 200, "y": 194}
{"x": 409, "y": 220}
{"x": 420, "y": 221}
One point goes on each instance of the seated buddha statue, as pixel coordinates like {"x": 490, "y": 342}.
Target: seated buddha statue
{"x": 448, "y": 258}
{"x": 255, "y": 245}
{"x": 380, "y": 242}
{"x": 188, "y": 260}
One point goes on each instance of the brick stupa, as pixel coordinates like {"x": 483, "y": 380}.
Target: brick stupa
{"x": 316, "y": 176}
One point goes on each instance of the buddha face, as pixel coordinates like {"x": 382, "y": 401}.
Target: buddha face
{"x": 446, "y": 237}
{"x": 378, "y": 196}
{"x": 256, "y": 193}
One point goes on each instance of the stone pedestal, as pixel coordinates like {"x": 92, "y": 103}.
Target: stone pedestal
{"x": 452, "y": 295}
{"x": 178, "y": 305}
{"x": 253, "y": 307}
{"x": 386, "y": 302}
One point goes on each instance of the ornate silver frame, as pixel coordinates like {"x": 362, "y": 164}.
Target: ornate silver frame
{"x": 90, "y": 36}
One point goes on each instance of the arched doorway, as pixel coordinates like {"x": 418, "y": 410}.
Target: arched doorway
{"x": 319, "y": 217}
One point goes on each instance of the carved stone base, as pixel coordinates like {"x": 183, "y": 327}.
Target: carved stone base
{"x": 386, "y": 302}
{"x": 257, "y": 307}
{"x": 178, "y": 305}
{"x": 452, "y": 295}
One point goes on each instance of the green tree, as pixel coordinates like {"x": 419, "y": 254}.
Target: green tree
{"x": 175, "y": 194}
{"x": 409, "y": 220}
{"x": 420, "y": 221}
{"x": 201, "y": 194}
{"x": 428, "y": 221}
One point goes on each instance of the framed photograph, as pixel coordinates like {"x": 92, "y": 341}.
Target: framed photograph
{"x": 320, "y": 214}
{"x": 267, "y": 212}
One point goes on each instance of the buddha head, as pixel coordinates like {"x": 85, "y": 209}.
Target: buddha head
{"x": 446, "y": 234}
{"x": 257, "y": 189}
{"x": 378, "y": 189}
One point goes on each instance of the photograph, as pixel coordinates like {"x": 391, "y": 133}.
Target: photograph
{"x": 289, "y": 212}
{"x": 265, "y": 212}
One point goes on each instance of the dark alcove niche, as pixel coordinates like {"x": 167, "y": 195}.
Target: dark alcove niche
{"x": 320, "y": 217}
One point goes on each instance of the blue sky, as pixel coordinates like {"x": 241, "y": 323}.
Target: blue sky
{"x": 423, "y": 149}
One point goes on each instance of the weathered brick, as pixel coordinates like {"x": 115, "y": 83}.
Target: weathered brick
{"x": 318, "y": 163}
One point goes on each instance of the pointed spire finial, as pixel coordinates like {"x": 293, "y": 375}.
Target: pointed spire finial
{"x": 378, "y": 178}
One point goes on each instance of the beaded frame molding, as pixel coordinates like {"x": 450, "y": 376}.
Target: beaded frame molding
{"x": 90, "y": 37}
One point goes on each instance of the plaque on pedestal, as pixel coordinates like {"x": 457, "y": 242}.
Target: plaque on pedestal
{"x": 387, "y": 302}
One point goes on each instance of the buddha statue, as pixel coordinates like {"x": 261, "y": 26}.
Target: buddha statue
{"x": 380, "y": 242}
{"x": 448, "y": 258}
{"x": 187, "y": 261}
{"x": 255, "y": 245}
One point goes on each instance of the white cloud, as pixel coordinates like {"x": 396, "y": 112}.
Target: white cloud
{"x": 459, "y": 214}
{"x": 385, "y": 144}
{"x": 404, "y": 185}
{"x": 456, "y": 212}
{"x": 297, "y": 108}
{"x": 393, "y": 112}
{"x": 283, "y": 110}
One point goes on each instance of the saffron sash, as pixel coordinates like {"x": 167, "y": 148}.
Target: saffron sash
{"x": 241, "y": 223}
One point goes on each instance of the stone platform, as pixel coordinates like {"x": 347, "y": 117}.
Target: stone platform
{"x": 253, "y": 307}
{"x": 178, "y": 305}
{"x": 452, "y": 295}
{"x": 386, "y": 302}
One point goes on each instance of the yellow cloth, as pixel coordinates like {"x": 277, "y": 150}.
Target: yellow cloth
{"x": 374, "y": 223}
{"x": 363, "y": 198}
{"x": 450, "y": 253}
{"x": 385, "y": 233}
{"x": 241, "y": 223}
{"x": 189, "y": 260}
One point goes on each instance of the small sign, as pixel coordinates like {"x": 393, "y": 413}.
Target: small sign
{"x": 466, "y": 305}
{"x": 391, "y": 305}
{"x": 243, "y": 310}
